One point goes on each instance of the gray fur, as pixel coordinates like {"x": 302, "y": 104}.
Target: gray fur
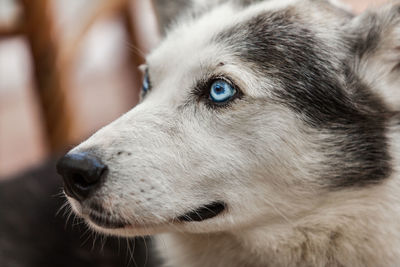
{"x": 166, "y": 11}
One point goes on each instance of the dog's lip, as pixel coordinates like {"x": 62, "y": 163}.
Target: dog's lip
{"x": 105, "y": 221}
{"x": 204, "y": 212}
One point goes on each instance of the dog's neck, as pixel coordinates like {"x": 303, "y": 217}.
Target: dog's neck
{"x": 345, "y": 235}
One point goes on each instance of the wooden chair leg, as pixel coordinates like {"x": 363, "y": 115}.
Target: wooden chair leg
{"x": 136, "y": 55}
{"x": 49, "y": 78}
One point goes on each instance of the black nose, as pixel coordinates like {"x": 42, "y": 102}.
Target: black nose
{"x": 82, "y": 174}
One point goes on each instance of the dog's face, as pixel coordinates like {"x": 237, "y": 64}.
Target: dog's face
{"x": 252, "y": 112}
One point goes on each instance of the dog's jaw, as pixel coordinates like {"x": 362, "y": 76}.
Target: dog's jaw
{"x": 346, "y": 234}
{"x": 103, "y": 222}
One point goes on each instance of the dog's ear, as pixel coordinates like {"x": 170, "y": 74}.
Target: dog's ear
{"x": 168, "y": 10}
{"x": 376, "y": 47}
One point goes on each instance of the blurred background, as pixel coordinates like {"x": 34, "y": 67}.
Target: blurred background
{"x": 67, "y": 68}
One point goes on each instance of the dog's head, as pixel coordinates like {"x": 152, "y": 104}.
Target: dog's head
{"x": 251, "y": 112}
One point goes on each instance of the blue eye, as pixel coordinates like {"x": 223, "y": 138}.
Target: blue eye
{"x": 221, "y": 91}
{"x": 146, "y": 84}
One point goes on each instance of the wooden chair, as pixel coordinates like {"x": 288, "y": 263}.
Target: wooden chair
{"x": 52, "y": 59}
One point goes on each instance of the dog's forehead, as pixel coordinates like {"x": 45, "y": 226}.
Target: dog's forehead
{"x": 213, "y": 37}
{"x": 194, "y": 41}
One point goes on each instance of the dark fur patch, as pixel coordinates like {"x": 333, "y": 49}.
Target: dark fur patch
{"x": 247, "y": 2}
{"x": 367, "y": 39}
{"x": 371, "y": 29}
{"x": 280, "y": 46}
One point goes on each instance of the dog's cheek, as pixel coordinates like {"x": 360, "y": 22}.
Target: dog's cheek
{"x": 270, "y": 162}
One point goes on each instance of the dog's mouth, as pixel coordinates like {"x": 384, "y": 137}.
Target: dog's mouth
{"x": 106, "y": 222}
{"x": 203, "y": 213}
{"x": 200, "y": 214}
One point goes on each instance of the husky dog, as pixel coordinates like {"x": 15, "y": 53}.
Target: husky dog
{"x": 268, "y": 135}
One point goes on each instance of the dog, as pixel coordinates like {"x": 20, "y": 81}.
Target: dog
{"x": 268, "y": 134}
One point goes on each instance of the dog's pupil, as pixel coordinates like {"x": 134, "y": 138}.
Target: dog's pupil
{"x": 219, "y": 89}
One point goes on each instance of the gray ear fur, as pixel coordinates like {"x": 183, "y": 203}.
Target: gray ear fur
{"x": 168, "y": 10}
{"x": 377, "y": 51}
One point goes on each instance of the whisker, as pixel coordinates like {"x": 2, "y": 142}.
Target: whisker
{"x": 94, "y": 240}
{"x": 146, "y": 251}
{"x": 136, "y": 50}
{"x": 89, "y": 235}
{"x": 63, "y": 206}
{"x": 59, "y": 194}
{"x": 103, "y": 242}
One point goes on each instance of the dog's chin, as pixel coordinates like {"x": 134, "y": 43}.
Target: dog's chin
{"x": 112, "y": 226}
{"x": 127, "y": 230}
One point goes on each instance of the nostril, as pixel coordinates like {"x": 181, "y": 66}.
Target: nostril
{"x": 82, "y": 173}
{"x": 80, "y": 181}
